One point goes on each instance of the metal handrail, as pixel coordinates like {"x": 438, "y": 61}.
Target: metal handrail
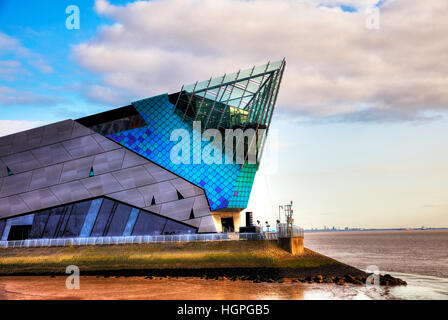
{"x": 63, "y": 242}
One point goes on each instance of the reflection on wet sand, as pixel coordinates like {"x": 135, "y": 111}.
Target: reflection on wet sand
{"x": 139, "y": 288}
{"x": 148, "y": 289}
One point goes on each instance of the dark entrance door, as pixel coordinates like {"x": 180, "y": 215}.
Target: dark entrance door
{"x": 20, "y": 232}
{"x": 227, "y": 225}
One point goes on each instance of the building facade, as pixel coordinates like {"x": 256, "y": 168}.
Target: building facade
{"x": 113, "y": 174}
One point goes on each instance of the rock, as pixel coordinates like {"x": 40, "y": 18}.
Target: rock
{"x": 349, "y": 278}
{"x": 319, "y": 277}
{"x": 328, "y": 280}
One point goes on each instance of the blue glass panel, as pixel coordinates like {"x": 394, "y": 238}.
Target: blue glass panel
{"x": 226, "y": 185}
{"x": 119, "y": 220}
{"x": 131, "y": 222}
{"x": 90, "y": 218}
{"x": 177, "y": 228}
{"x": 103, "y": 218}
{"x": 39, "y": 223}
{"x": 77, "y": 217}
{"x": 53, "y": 222}
{"x": 148, "y": 224}
{"x": 2, "y": 226}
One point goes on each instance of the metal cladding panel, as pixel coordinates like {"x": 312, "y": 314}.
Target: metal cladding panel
{"x": 159, "y": 173}
{"x": 132, "y": 196}
{"x": 200, "y": 207}
{"x": 70, "y": 192}
{"x": 6, "y": 145}
{"x": 45, "y": 177}
{"x": 82, "y": 147}
{"x": 155, "y": 208}
{"x": 40, "y": 199}
{"x": 15, "y": 184}
{"x": 3, "y": 170}
{"x": 178, "y": 210}
{"x": 207, "y": 224}
{"x": 134, "y": 177}
{"x": 102, "y": 184}
{"x": 162, "y": 192}
{"x": 57, "y": 132}
{"x": 21, "y": 162}
{"x": 12, "y": 206}
{"x": 194, "y": 222}
{"x": 131, "y": 160}
{"x": 51, "y": 154}
{"x": 185, "y": 188}
{"x": 104, "y": 143}
{"x": 27, "y": 139}
{"x": 108, "y": 161}
{"x": 76, "y": 169}
{"x": 57, "y": 173}
{"x": 79, "y": 130}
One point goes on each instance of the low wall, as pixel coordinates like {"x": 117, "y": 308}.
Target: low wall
{"x": 292, "y": 245}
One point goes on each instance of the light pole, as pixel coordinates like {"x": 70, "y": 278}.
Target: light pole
{"x": 279, "y": 208}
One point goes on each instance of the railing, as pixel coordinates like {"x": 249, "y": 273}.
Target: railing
{"x": 137, "y": 239}
{"x": 285, "y": 232}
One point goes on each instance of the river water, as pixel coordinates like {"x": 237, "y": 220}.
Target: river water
{"x": 419, "y": 257}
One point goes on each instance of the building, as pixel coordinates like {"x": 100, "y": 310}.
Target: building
{"x": 112, "y": 174}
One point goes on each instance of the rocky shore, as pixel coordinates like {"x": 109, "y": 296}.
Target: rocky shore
{"x": 257, "y": 275}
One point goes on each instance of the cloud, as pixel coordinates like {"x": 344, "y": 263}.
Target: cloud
{"x": 336, "y": 67}
{"x": 10, "y": 45}
{"x": 105, "y": 95}
{"x": 12, "y": 97}
{"x": 12, "y": 126}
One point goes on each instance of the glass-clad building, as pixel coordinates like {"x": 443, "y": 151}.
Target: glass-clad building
{"x": 113, "y": 173}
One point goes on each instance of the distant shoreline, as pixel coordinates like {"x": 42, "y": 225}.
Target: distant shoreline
{"x": 372, "y": 230}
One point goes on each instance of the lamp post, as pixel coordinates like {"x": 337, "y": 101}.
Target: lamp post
{"x": 279, "y": 218}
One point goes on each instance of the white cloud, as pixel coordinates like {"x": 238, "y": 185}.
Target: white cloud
{"x": 9, "y": 44}
{"x": 12, "y": 126}
{"x": 336, "y": 68}
{"x": 12, "y": 97}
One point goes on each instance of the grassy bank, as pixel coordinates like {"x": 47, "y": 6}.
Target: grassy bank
{"x": 165, "y": 258}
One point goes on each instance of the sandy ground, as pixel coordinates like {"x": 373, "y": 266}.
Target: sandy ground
{"x": 137, "y": 288}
